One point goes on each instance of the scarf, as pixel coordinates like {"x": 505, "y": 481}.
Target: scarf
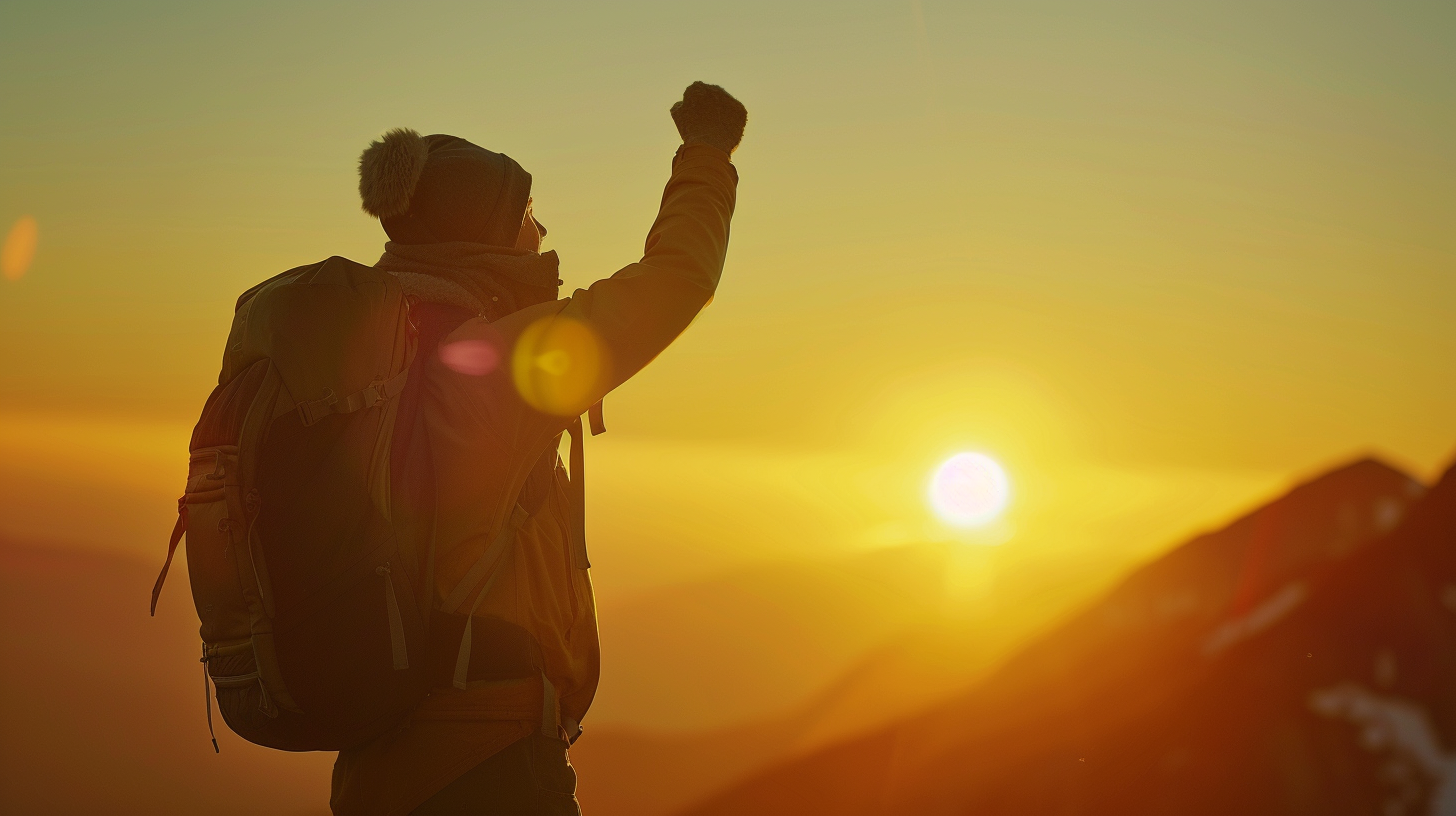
{"x": 476, "y": 277}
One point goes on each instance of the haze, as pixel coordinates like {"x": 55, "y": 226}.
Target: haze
{"x": 1157, "y": 259}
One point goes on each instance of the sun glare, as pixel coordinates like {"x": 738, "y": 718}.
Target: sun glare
{"x": 556, "y": 364}
{"x": 19, "y": 248}
{"x": 969, "y": 490}
{"x": 473, "y": 357}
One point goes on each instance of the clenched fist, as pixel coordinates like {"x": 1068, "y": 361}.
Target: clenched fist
{"x": 708, "y": 115}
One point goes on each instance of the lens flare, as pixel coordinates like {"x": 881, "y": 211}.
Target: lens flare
{"x": 19, "y": 249}
{"x": 475, "y": 358}
{"x": 557, "y": 364}
{"x": 969, "y": 490}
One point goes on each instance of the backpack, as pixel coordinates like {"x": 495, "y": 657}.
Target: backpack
{"x": 314, "y": 617}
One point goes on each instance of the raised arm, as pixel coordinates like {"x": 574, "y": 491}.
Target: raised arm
{"x": 565, "y": 355}
{"x": 637, "y": 312}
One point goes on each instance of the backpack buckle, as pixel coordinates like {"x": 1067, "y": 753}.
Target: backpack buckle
{"x": 377, "y": 392}
{"x": 374, "y": 394}
{"x": 316, "y": 410}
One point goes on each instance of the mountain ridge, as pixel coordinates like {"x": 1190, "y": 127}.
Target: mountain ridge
{"x": 1082, "y": 681}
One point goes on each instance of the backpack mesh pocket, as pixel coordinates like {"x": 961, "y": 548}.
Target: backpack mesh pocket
{"x": 241, "y": 698}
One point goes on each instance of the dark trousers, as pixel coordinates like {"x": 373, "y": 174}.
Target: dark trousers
{"x": 530, "y": 777}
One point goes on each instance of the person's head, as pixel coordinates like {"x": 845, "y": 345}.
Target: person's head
{"x": 439, "y": 189}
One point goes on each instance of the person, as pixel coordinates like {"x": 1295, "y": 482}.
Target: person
{"x": 501, "y": 370}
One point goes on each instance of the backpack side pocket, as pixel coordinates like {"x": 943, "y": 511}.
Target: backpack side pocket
{"x": 241, "y": 697}
{"x": 215, "y": 531}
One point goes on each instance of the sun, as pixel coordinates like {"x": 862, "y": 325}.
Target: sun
{"x": 969, "y": 490}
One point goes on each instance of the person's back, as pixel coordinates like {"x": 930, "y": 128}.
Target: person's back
{"x": 502, "y": 368}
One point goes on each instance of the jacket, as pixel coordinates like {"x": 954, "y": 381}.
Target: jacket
{"x": 488, "y": 440}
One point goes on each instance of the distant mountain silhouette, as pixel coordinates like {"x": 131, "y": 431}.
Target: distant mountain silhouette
{"x": 1300, "y": 660}
{"x": 780, "y": 631}
{"x": 101, "y": 707}
{"x": 799, "y": 640}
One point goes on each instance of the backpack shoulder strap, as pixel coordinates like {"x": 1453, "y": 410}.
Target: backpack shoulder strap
{"x": 493, "y": 561}
{"x": 488, "y": 560}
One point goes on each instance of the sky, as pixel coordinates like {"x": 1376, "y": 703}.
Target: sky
{"x": 1158, "y": 259}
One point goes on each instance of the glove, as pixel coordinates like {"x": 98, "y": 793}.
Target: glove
{"x": 708, "y": 115}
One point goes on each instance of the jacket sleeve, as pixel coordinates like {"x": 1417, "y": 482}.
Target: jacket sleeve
{"x": 638, "y": 311}
{"x": 558, "y": 358}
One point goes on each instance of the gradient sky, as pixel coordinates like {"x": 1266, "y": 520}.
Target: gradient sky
{"x": 1157, "y": 258}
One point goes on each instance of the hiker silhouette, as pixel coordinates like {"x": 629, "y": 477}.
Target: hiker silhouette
{"x": 386, "y": 551}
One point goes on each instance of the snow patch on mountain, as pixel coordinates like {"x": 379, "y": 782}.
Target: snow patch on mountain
{"x": 1402, "y": 729}
{"x": 1257, "y": 620}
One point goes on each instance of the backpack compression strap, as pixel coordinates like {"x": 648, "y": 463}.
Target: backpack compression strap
{"x": 378, "y": 391}
{"x": 576, "y": 494}
{"x": 594, "y": 414}
{"x": 177, "y": 530}
{"x": 576, "y": 481}
{"x": 487, "y": 560}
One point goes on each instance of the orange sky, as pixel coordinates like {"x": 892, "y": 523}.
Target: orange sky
{"x": 1158, "y": 260}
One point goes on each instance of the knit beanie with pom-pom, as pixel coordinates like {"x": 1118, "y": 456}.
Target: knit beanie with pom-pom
{"x": 437, "y": 189}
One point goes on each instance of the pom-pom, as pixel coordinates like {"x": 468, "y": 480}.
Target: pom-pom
{"x": 389, "y": 169}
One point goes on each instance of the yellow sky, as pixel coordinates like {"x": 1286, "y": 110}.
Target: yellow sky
{"x": 1159, "y": 259}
